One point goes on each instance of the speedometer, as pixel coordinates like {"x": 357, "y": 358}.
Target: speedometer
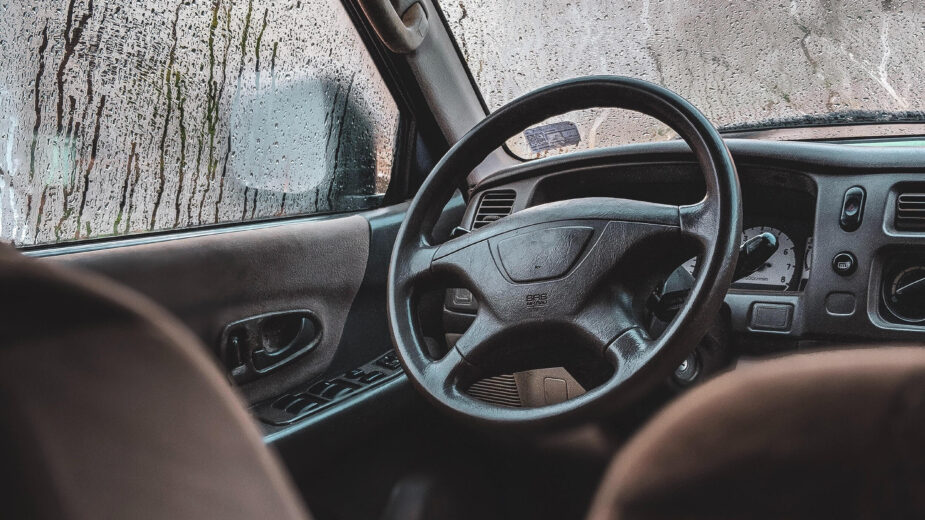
{"x": 776, "y": 274}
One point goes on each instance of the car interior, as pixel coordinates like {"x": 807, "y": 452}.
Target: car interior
{"x": 432, "y": 298}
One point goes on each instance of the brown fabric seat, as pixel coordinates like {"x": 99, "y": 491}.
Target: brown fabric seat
{"x": 837, "y": 434}
{"x": 109, "y": 408}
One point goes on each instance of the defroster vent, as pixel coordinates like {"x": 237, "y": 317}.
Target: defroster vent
{"x": 495, "y": 205}
{"x": 910, "y": 211}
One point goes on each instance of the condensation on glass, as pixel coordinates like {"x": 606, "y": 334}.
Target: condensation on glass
{"x": 737, "y": 61}
{"x": 123, "y": 116}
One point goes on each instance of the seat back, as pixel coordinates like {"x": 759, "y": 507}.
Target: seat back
{"x": 835, "y": 434}
{"x": 110, "y": 408}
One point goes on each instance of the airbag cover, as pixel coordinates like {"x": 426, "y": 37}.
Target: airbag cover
{"x": 542, "y": 254}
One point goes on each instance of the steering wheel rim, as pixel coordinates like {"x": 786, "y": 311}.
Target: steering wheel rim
{"x": 609, "y": 226}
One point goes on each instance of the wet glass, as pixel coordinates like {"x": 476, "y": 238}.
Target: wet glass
{"x": 760, "y": 61}
{"x": 120, "y": 117}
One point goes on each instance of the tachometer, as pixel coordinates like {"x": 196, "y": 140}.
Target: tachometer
{"x": 778, "y": 271}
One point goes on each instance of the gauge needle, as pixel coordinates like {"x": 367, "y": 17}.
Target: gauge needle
{"x": 916, "y": 285}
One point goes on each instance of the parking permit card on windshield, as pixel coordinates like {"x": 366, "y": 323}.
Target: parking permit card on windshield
{"x": 554, "y": 135}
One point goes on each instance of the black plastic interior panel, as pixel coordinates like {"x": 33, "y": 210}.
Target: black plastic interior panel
{"x": 306, "y": 399}
{"x": 830, "y": 199}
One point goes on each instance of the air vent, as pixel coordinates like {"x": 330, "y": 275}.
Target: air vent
{"x": 910, "y": 211}
{"x": 494, "y": 205}
{"x": 497, "y": 390}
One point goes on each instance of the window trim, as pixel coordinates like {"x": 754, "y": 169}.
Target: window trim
{"x": 167, "y": 235}
{"x": 415, "y": 113}
{"x": 474, "y": 84}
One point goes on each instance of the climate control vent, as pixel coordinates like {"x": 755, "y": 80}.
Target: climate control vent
{"x": 910, "y": 211}
{"x": 494, "y": 205}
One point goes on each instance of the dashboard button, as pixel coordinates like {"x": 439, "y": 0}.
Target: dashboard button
{"x": 321, "y": 387}
{"x": 356, "y": 373}
{"x": 852, "y": 209}
{"x": 389, "y": 361}
{"x": 771, "y": 316}
{"x": 304, "y": 405}
{"x": 298, "y": 405}
{"x": 840, "y": 304}
{"x": 461, "y": 300}
{"x": 372, "y": 377}
{"x": 283, "y": 402}
{"x": 338, "y": 389}
{"x": 844, "y": 263}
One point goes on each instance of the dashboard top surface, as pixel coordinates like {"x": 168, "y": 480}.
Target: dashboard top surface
{"x": 828, "y": 158}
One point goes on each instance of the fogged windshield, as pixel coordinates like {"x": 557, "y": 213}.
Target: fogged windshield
{"x": 756, "y": 63}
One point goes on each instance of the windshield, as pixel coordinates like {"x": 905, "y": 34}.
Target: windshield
{"x": 763, "y": 63}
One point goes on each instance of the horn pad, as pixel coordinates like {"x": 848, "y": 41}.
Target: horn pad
{"x": 544, "y": 253}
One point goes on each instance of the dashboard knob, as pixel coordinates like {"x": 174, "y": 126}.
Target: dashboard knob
{"x": 844, "y": 263}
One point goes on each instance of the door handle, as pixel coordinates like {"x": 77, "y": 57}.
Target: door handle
{"x": 260, "y": 344}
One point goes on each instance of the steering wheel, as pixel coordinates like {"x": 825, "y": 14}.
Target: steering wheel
{"x": 577, "y": 270}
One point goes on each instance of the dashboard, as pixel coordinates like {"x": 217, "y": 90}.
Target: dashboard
{"x": 850, "y": 224}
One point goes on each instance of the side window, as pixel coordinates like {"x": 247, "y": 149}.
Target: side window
{"x": 120, "y": 117}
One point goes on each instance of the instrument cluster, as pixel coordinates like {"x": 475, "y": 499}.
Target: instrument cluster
{"x": 788, "y": 269}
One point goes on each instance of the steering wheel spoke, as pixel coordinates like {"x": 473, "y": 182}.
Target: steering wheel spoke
{"x": 699, "y": 221}
{"x": 418, "y": 268}
{"x": 470, "y": 267}
{"x": 630, "y": 351}
{"x": 445, "y": 372}
{"x": 484, "y": 331}
{"x": 603, "y": 320}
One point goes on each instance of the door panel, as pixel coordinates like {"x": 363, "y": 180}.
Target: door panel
{"x": 213, "y": 280}
{"x": 333, "y": 268}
